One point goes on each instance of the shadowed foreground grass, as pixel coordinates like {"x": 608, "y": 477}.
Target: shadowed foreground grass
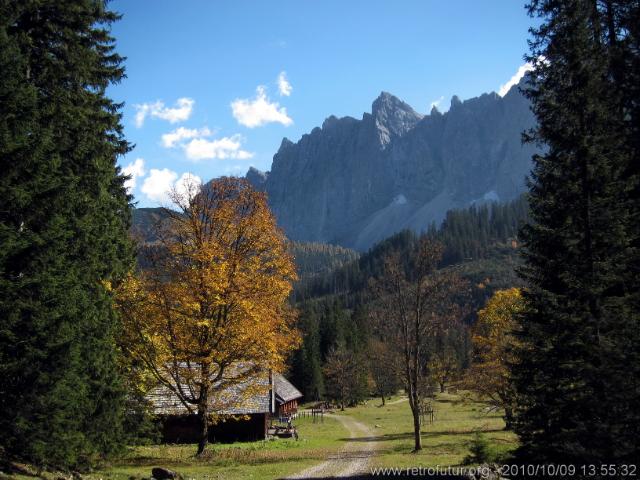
{"x": 265, "y": 459}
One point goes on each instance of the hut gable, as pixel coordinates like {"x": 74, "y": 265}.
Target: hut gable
{"x": 284, "y": 390}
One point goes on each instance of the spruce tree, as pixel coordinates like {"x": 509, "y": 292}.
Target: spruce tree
{"x": 64, "y": 218}
{"x": 577, "y": 377}
{"x": 306, "y": 370}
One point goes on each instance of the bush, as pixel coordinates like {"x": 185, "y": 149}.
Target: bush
{"x": 479, "y": 450}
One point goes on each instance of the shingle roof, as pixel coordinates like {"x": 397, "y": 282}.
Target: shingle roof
{"x": 247, "y": 396}
{"x": 238, "y": 393}
{"x": 284, "y": 390}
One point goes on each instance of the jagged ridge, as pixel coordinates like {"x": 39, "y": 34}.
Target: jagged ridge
{"x": 355, "y": 182}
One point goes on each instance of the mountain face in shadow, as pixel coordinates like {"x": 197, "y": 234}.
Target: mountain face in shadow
{"x": 355, "y": 182}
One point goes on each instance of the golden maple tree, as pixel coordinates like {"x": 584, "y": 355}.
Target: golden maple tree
{"x": 211, "y": 311}
{"x": 493, "y": 341}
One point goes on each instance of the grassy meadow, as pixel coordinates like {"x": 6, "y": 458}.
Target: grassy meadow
{"x": 445, "y": 442}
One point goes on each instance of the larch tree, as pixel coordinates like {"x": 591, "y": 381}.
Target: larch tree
{"x": 64, "y": 220}
{"x": 578, "y": 367}
{"x": 211, "y": 311}
{"x": 493, "y": 339}
{"x": 444, "y": 366}
{"x": 416, "y": 302}
{"x": 336, "y": 369}
{"x": 345, "y": 374}
{"x": 384, "y": 366}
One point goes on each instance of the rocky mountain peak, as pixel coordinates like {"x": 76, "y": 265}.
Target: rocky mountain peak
{"x": 393, "y": 117}
{"x": 355, "y": 182}
{"x": 286, "y": 142}
{"x": 257, "y": 178}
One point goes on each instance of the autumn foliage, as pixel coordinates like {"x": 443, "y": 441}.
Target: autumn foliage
{"x": 493, "y": 343}
{"x": 212, "y": 310}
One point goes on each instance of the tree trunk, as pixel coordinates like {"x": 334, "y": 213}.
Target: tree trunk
{"x": 416, "y": 430}
{"x": 204, "y": 430}
{"x": 508, "y": 418}
{"x": 203, "y": 416}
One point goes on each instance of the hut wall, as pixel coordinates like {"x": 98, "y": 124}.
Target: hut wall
{"x": 288, "y": 408}
{"x": 184, "y": 429}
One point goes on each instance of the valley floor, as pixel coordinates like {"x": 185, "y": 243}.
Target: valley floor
{"x": 346, "y": 444}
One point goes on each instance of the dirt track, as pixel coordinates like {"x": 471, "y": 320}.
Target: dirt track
{"x": 352, "y": 460}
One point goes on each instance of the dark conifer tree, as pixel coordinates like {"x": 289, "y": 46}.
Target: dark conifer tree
{"x": 577, "y": 379}
{"x": 64, "y": 218}
{"x": 306, "y": 369}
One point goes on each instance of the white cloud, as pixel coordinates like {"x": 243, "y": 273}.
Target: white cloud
{"x": 515, "y": 79}
{"x": 181, "y": 112}
{"x": 169, "y": 140}
{"x": 259, "y": 111}
{"x": 225, "y": 147}
{"x": 134, "y": 170}
{"x": 284, "y": 87}
{"x": 159, "y": 184}
{"x": 143, "y": 109}
{"x": 436, "y": 103}
{"x": 197, "y": 146}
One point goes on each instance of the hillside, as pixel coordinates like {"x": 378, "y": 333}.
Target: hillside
{"x": 316, "y": 259}
{"x": 480, "y": 243}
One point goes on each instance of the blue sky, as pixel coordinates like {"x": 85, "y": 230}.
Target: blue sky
{"x": 206, "y": 94}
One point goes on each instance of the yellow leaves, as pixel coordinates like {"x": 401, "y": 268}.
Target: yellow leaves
{"x": 492, "y": 332}
{"x": 496, "y": 321}
{"x": 492, "y": 338}
{"x": 222, "y": 289}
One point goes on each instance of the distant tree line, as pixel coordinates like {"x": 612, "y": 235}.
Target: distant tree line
{"x": 314, "y": 259}
{"x": 478, "y": 232}
{"x": 475, "y": 233}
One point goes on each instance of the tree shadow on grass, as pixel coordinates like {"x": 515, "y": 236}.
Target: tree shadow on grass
{"x": 408, "y": 435}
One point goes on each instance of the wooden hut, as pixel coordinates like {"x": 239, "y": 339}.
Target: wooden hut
{"x": 246, "y": 410}
{"x": 287, "y": 396}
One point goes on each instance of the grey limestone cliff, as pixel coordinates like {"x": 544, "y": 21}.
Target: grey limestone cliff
{"x": 355, "y": 182}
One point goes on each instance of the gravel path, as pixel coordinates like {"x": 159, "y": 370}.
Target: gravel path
{"x": 353, "y": 459}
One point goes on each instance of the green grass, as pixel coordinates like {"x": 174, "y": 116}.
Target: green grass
{"x": 265, "y": 459}
{"x": 445, "y": 442}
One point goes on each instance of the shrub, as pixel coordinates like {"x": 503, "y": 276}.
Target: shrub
{"x": 479, "y": 450}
